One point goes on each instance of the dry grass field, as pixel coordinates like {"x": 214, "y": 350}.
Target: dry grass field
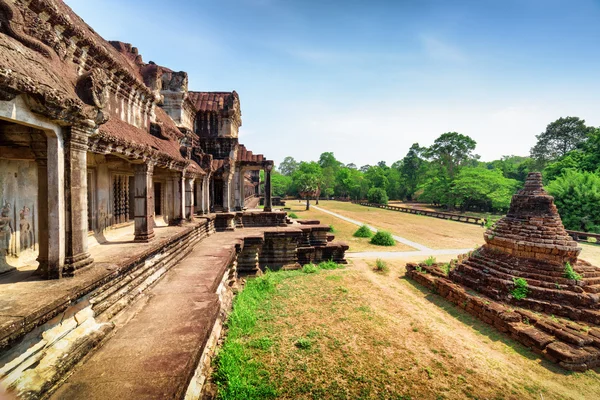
{"x": 343, "y": 230}
{"x": 431, "y": 232}
{"x": 354, "y": 333}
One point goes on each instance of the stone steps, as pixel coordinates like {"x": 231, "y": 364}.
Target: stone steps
{"x": 574, "y": 346}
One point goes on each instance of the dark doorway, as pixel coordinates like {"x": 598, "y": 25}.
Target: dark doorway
{"x": 218, "y": 193}
{"x": 157, "y": 198}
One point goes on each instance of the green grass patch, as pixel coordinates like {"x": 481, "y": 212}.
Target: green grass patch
{"x": 310, "y": 268}
{"x": 238, "y": 375}
{"x": 429, "y": 261}
{"x": 332, "y": 229}
{"x": 363, "y": 232}
{"x": 570, "y": 272}
{"x": 381, "y": 266}
{"x": 293, "y": 215}
{"x": 382, "y": 238}
{"x": 521, "y": 288}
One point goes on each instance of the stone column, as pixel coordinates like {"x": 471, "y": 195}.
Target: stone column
{"x": 143, "y": 206}
{"x": 42, "y": 216}
{"x": 226, "y": 194}
{"x": 178, "y": 202}
{"x": 189, "y": 198}
{"x": 76, "y": 254}
{"x": 240, "y": 191}
{"x": 268, "y": 204}
{"x": 198, "y": 195}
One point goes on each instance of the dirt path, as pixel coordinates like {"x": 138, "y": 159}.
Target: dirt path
{"x": 422, "y": 250}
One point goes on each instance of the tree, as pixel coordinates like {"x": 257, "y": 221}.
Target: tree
{"x": 377, "y": 195}
{"x": 288, "y": 166}
{"x": 483, "y": 189}
{"x": 351, "y": 166}
{"x": 577, "y": 197}
{"x": 560, "y": 137}
{"x": 452, "y": 150}
{"x": 328, "y": 160}
{"x": 280, "y": 184}
{"x": 412, "y": 169}
{"x": 307, "y": 180}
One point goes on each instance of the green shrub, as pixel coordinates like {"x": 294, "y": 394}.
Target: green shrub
{"x": 292, "y": 215}
{"x": 332, "y": 229}
{"x": 377, "y": 195}
{"x": 303, "y": 343}
{"x": 592, "y": 240}
{"x": 521, "y": 288}
{"x": 382, "y": 238}
{"x": 429, "y": 261}
{"x": 570, "y": 272}
{"x": 309, "y": 268}
{"x": 445, "y": 268}
{"x": 363, "y": 232}
{"x": 381, "y": 266}
{"x": 330, "y": 265}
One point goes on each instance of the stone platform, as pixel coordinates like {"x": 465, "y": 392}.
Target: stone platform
{"x": 154, "y": 307}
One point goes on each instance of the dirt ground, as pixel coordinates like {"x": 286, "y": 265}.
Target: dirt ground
{"x": 357, "y": 333}
{"x": 431, "y": 232}
{"x": 343, "y": 230}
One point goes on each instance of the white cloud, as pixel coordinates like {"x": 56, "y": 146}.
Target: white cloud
{"x": 440, "y": 50}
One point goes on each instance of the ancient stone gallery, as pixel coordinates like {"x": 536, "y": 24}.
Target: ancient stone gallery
{"x": 113, "y": 174}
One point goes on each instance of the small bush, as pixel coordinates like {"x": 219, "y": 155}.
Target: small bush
{"x": 303, "y": 343}
{"x": 293, "y": 215}
{"x": 330, "y": 265}
{"x": 309, "y": 268}
{"x": 363, "y": 232}
{"x": 521, "y": 288}
{"x": 381, "y": 266}
{"x": 570, "y": 273}
{"x": 382, "y": 238}
{"x": 445, "y": 268}
{"x": 429, "y": 261}
{"x": 592, "y": 240}
{"x": 332, "y": 229}
{"x": 377, "y": 195}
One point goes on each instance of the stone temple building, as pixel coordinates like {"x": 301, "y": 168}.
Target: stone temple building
{"x": 114, "y": 174}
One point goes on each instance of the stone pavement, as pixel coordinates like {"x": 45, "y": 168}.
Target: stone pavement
{"x": 27, "y": 300}
{"x": 155, "y": 354}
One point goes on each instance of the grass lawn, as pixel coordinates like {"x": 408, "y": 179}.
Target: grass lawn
{"x": 343, "y": 230}
{"x": 354, "y": 333}
{"x": 431, "y": 232}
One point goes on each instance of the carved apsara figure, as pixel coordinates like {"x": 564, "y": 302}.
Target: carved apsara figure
{"x": 25, "y": 228}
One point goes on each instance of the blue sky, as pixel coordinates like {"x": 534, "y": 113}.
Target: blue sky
{"x": 366, "y": 79}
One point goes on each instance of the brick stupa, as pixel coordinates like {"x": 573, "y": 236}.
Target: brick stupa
{"x": 530, "y": 242}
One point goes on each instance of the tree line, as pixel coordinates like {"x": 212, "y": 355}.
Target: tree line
{"x": 449, "y": 174}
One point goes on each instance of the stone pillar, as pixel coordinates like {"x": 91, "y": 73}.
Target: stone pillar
{"x": 240, "y": 191}
{"x": 143, "y": 206}
{"x": 178, "y": 202}
{"x": 76, "y": 254}
{"x": 226, "y": 194}
{"x": 189, "y": 198}
{"x": 268, "y": 204}
{"x": 199, "y": 195}
{"x": 42, "y": 216}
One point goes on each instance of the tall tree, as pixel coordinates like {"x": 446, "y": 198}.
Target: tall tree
{"x": 560, "y": 137}
{"x": 307, "y": 180}
{"x": 288, "y": 166}
{"x": 452, "y": 150}
{"x": 412, "y": 169}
